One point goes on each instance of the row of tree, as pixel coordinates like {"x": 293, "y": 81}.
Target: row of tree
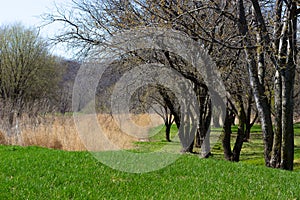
{"x": 253, "y": 43}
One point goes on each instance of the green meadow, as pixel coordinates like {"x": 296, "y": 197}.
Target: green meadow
{"x": 41, "y": 173}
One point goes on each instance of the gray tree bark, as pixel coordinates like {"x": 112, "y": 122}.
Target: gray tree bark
{"x": 260, "y": 97}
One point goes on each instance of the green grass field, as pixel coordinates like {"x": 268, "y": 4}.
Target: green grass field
{"x": 40, "y": 173}
{"x": 252, "y": 151}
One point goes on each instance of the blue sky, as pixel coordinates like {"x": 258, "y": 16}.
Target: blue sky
{"x": 28, "y": 13}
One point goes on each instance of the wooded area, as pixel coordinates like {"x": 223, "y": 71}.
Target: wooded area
{"x": 253, "y": 45}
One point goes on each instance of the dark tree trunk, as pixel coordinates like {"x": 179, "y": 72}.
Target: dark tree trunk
{"x": 198, "y": 139}
{"x": 248, "y": 122}
{"x": 168, "y": 130}
{"x": 241, "y": 130}
{"x": 229, "y": 117}
{"x": 173, "y": 106}
{"x": 288, "y": 79}
{"x": 183, "y": 117}
{"x": 205, "y": 115}
{"x": 287, "y": 121}
{"x": 247, "y": 133}
{"x": 169, "y": 120}
{"x": 248, "y": 128}
{"x": 187, "y": 109}
{"x": 238, "y": 143}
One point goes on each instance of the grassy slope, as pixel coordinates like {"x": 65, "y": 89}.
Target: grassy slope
{"x": 38, "y": 173}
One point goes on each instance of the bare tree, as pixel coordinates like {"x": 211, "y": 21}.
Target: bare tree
{"x": 262, "y": 32}
{"x": 28, "y": 74}
{"x": 151, "y": 100}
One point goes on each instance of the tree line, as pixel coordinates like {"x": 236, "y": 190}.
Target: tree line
{"x": 253, "y": 44}
{"x": 33, "y": 82}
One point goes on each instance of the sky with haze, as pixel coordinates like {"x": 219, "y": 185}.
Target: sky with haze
{"x": 28, "y": 13}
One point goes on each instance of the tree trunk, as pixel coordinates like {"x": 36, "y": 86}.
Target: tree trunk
{"x": 227, "y": 134}
{"x": 277, "y": 148}
{"x": 168, "y": 130}
{"x": 205, "y": 115}
{"x": 263, "y": 108}
{"x": 198, "y": 139}
{"x": 260, "y": 97}
{"x": 285, "y": 48}
{"x": 241, "y": 131}
{"x": 276, "y": 154}
{"x": 287, "y": 121}
{"x": 248, "y": 122}
{"x": 168, "y": 123}
{"x": 288, "y": 77}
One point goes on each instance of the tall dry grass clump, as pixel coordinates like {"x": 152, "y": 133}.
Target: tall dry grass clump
{"x": 60, "y": 132}
{"x": 111, "y": 133}
{"x": 57, "y": 132}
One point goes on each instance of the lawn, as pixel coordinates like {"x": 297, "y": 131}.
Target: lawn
{"x": 252, "y": 151}
{"x": 40, "y": 173}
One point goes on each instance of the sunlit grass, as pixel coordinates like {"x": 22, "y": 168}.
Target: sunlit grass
{"x": 39, "y": 173}
{"x": 252, "y": 151}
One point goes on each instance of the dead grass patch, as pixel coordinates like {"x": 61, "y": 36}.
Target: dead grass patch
{"x": 60, "y": 132}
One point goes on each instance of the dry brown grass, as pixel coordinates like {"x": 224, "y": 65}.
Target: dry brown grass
{"x": 56, "y": 132}
{"x": 60, "y": 132}
{"x": 2, "y": 138}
